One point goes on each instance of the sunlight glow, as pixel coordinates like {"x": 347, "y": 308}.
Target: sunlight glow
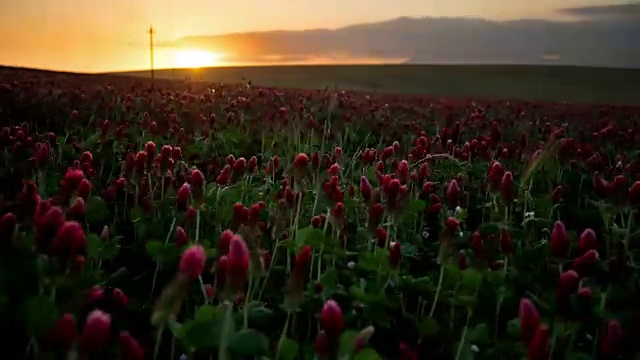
{"x": 190, "y": 58}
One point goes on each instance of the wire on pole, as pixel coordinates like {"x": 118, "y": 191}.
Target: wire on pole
{"x": 151, "y": 32}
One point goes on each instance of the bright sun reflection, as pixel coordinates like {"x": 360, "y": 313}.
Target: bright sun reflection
{"x": 196, "y": 58}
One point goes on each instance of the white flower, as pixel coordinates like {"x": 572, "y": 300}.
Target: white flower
{"x": 351, "y": 264}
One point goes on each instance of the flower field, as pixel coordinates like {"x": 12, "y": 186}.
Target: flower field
{"x": 210, "y": 221}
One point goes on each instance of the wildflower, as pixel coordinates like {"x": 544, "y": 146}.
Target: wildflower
{"x": 253, "y": 164}
{"x": 130, "y": 348}
{"x": 225, "y": 176}
{"x": 302, "y": 260}
{"x": 181, "y": 237}
{"x": 567, "y": 285}
{"x": 197, "y": 183}
{"x": 71, "y": 180}
{"x": 506, "y": 243}
{"x": 332, "y": 320}
{"x": 321, "y": 344}
{"x": 225, "y": 241}
{"x": 70, "y": 239}
{"x": 363, "y": 338}
{"x": 301, "y": 161}
{"x": 84, "y": 189}
{"x": 539, "y": 347}
{"x": 634, "y": 193}
{"x": 612, "y": 338}
{"x": 452, "y": 224}
{"x": 120, "y": 297}
{"x": 394, "y": 254}
{"x": 452, "y": 194}
{"x": 559, "y": 243}
{"x": 403, "y": 171}
{"x": 529, "y": 320}
{"x": 150, "y": 149}
{"x": 506, "y": 187}
{"x": 184, "y": 193}
{"x": 587, "y": 241}
{"x": 64, "y": 331}
{"x": 221, "y": 272}
{"x": 239, "y": 214}
{"x": 193, "y": 261}
{"x": 381, "y": 236}
{"x": 583, "y": 264}
{"x": 77, "y": 211}
{"x": 365, "y": 188}
{"x": 96, "y": 331}
{"x": 238, "y": 262}
{"x": 463, "y": 261}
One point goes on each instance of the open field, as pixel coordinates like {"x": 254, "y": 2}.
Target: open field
{"x": 172, "y": 220}
{"x": 542, "y": 83}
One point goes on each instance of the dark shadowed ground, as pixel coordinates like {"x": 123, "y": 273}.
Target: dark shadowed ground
{"x": 545, "y": 83}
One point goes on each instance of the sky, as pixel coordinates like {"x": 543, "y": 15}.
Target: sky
{"x": 110, "y": 35}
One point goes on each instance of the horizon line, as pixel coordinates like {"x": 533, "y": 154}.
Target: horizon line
{"x": 120, "y": 72}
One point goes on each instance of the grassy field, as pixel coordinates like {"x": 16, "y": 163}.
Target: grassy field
{"x": 544, "y": 83}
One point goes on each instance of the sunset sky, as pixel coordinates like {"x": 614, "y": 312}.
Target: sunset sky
{"x": 105, "y": 35}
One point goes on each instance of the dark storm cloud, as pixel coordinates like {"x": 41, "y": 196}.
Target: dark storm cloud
{"x": 608, "y": 11}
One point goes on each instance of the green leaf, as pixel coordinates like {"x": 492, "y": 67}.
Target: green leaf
{"x": 416, "y": 205}
{"x": 480, "y": 334}
{"x": 329, "y": 279}
{"x": 153, "y": 248}
{"x": 176, "y": 329}
{"x": 97, "y": 211}
{"x": 171, "y": 252}
{"x": 428, "y": 327}
{"x": 309, "y": 236}
{"x": 513, "y": 328}
{"x": 287, "y": 349}
{"x": 471, "y": 278}
{"x": 41, "y": 315}
{"x": 258, "y": 314}
{"x": 202, "y": 334}
{"x": 204, "y": 313}
{"x": 465, "y": 351}
{"x": 367, "y": 354}
{"x": 348, "y": 342}
{"x": 101, "y": 250}
{"x": 249, "y": 342}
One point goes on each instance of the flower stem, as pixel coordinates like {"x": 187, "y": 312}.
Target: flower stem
{"x": 464, "y": 336}
{"x": 284, "y": 334}
{"x": 159, "y": 261}
{"x": 197, "y": 225}
{"x": 435, "y": 298}
{"x": 226, "y": 329}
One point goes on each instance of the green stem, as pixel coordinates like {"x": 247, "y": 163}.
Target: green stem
{"x": 435, "y": 298}
{"x": 500, "y": 298}
{"x": 226, "y": 330}
{"x": 284, "y": 334}
{"x": 159, "y": 261}
{"x": 246, "y": 303}
{"x": 464, "y": 336}
{"x": 158, "y": 342}
{"x": 197, "y": 225}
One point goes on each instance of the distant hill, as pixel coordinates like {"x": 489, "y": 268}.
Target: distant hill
{"x": 599, "y": 40}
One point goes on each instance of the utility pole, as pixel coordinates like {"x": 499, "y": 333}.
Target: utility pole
{"x": 151, "y": 32}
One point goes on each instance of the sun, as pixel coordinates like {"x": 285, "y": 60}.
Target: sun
{"x": 196, "y": 58}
